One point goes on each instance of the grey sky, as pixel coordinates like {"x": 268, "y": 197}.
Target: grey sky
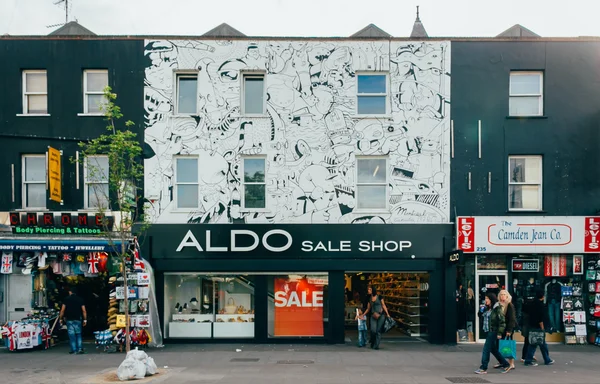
{"x": 548, "y": 18}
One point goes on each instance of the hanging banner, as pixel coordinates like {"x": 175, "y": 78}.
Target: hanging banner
{"x": 298, "y": 307}
{"x": 55, "y": 174}
{"x": 555, "y": 266}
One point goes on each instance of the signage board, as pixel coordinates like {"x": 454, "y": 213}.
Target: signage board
{"x": 52, "y": 223}
{"x": 55, "y": 174}
{"x": 525, "y": 265}
{"x": 528, "y": 234}
{"x": 298, "y": 308}
{"x": 455, "y": 256}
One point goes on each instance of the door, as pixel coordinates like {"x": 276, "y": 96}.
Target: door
{"x": 489, "y": 281}
{"x": 18, "y": 296}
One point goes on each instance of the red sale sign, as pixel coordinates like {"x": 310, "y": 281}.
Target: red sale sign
{"x": 466, "y": 234}
{"x": 298, "y": 307}
{"x": 591, "y": 240}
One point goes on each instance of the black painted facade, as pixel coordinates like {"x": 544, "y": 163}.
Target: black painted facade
{"x": 64, "y": 59}
{"x": 566, "y": 136}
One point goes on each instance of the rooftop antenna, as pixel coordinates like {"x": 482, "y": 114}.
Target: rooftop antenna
{"x": 67, "y": 4}
{"x": 418, "y": 19}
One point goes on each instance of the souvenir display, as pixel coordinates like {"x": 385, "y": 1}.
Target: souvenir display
{"x": 592, "y": 276}
{"x": 573, "y": 316}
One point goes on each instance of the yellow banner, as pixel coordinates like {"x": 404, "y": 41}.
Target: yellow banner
{"x": 54, "y": 174}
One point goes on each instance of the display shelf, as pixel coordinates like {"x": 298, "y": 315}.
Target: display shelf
{"x": 233, "y": 329}
{"x": 190, "y": 330}
{"x": 186, "y": 317}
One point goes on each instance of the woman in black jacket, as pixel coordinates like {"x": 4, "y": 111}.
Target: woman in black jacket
{"x": 510, "y": 314}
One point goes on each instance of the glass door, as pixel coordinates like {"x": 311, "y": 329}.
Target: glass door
{"x": 488, "y": 281}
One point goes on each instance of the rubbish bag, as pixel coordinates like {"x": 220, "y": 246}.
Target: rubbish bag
{"x": 136, "y": 354}
{"x": 150, "y": 367}
{"x": 131, "y": 369}
{"x": 388, "y": 324}
{"x": 508, "y": 349}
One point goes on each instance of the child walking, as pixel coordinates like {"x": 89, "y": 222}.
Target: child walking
{"x": 362, "y": 328}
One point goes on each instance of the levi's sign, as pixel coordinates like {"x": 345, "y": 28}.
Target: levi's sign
{"x": 522, "y": 234}
{"x": 410, "y": 241}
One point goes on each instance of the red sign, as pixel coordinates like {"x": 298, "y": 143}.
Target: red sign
{"x": 298, "y": 308}
{"x": 466, "y": 234}
{"x": 591, "y": 240}
{"x": 555, "y": 266}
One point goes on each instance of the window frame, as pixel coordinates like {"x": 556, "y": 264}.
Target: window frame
{"x": 177, "y": 183}
{"x": 86, "y": 106}
{"x": 27, "y": 93}
{"x": 385, "y": 93}
{"x": 385, "y": 184}
{"x": 540, "y": 184}
{"x": 540, "y": 96}
{"x": 253, "y": 74}
{"x": 179, "y": 75}
{"x": 243, "y": 194}
{"x": 86, "y": 184}
{"x": 24, "y": 182}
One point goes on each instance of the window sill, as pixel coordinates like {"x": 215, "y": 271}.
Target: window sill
{"x": 372, "y": 116}
{"x": 92, "y": 210}
{"x": 91, "y": 114}
{"x": 527, "y": 211}
{"x": 363, "y": 211}
{"x": 183, "y": 115}
{"x": 33, "y": 114}
{"x": 265, "y": 116}
{"x": 32, "y": 210}
{"x": 526, "y": 117}
{"x": 254, "y": 210}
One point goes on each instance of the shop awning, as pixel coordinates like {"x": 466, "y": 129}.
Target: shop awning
{"x": 58, "y": 245}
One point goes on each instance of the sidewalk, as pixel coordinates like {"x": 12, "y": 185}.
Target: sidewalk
{"x": 397, "y": 362}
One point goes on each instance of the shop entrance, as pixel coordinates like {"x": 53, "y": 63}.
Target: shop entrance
{"x": 488, "y": 281}
{"x": 405, "y": 294}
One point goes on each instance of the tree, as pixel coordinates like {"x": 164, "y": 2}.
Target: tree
{"x": 113, "y": 165}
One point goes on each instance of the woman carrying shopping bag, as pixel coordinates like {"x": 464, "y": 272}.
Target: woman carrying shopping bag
{"x": 507, "y": 346}
{"x": 494, "y": 325}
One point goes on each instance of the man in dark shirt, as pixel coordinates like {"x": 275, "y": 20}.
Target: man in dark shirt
{"x": 537, "y": 320}
{"x": 73, "y": 309}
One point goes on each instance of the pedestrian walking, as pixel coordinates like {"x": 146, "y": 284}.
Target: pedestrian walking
{"x": 510, "y": 315}
{"x": 494, "y": 325}
{"x": 73, "y": 310}
{"x": 537, "y": 320}
{"x": 378, "y": 311}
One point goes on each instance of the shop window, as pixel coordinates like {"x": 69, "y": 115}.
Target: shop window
{"x": 525, "y": 183}
{"x": 466, "y": 300}
{"x": 372, "y": 94}
{"x": 526, "y": 94}
{"x": 34, "y": 181}
{"x": 209, "y": 306}
{"x": 254, "y": 183}
{"x": 35, "y": 92}
{"x": 298, "y": 305}
{"x": 186, "y": 182}
{"x": 94, "y": 82}
{"x": 96, "y": 182}
{"x": 371, "y": 183}
{"x": 187, "y": 94}
{"x": 254, "y": 94}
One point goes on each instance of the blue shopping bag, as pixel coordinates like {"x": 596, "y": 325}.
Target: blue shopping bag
{"x": 508, "y": 349}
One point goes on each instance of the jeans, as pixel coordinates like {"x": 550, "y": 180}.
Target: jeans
{"x": 376, "y": 326}
{"x": 545, "y": 353}
{"x": 491, "y": 346}
{"x": 554, "y": 314}
{"x": 74, "y": 331}
{"x": 362, "y": 337}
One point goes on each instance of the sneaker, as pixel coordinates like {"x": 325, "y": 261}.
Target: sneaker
{"x": 531, "y": 364}
{"x": 506, "y": 369}
{"x": 72, "y": 352}
{"x": 550, "y": 362}
{"x": 82, "y": 352}
{"x": 481, "y": 371}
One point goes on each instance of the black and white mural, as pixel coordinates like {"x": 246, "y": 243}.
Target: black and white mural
{"x": 310, "y": 134}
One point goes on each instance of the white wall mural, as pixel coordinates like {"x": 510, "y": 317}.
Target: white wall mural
{"x": 311, "y": 134}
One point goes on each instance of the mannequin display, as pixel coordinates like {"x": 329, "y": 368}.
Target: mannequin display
{"x": 529, "y": 290}
{"x": 518, "y": 302}
{"x": 461, "y": 320}
{"x": 470, "y": 308}
{"x": 553, "y": 290}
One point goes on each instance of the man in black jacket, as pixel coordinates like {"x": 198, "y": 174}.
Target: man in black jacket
{"x": 537, "y": 319}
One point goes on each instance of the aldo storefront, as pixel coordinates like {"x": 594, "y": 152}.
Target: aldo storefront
{"x": 522, "y": 254}
{"x": 283, "y": 283}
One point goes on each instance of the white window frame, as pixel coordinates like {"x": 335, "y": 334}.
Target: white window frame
{"x": 86, "y": 184}
{"x": 184, "y": 74}
{"x": 385, "y": 184}
{"x": 244, "y": 75}
{"x": 177, "y": 183}
{"x": 26, "y": 93}
{"x": 540, "y": 184}
{"x": 24, "y": 182}
{"x": 386, "y": 94}
{"x": 86, "y": 92}
{"x": 243, "y": 197}
{"x": 539, "y": 95}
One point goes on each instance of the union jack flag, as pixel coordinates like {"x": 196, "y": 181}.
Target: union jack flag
{"x": 93, "y": 260}
{"x": 138, "y": 263}
{"x": 568, "y": 317}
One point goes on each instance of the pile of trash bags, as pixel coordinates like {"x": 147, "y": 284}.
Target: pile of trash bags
{"x": 137, "y": 365}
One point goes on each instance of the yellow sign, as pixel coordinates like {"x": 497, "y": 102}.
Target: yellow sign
{"x": 54, "y": 174}
{"x": 121, "y": 321}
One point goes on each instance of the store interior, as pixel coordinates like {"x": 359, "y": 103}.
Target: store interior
{"x": 405, "y": 294}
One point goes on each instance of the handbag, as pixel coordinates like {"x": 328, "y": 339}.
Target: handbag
{"x": 388, "y": 324}
{"x": 508, "y": 348}
{"x": 537, "y": 337}
{"x": 376, "y": 315}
